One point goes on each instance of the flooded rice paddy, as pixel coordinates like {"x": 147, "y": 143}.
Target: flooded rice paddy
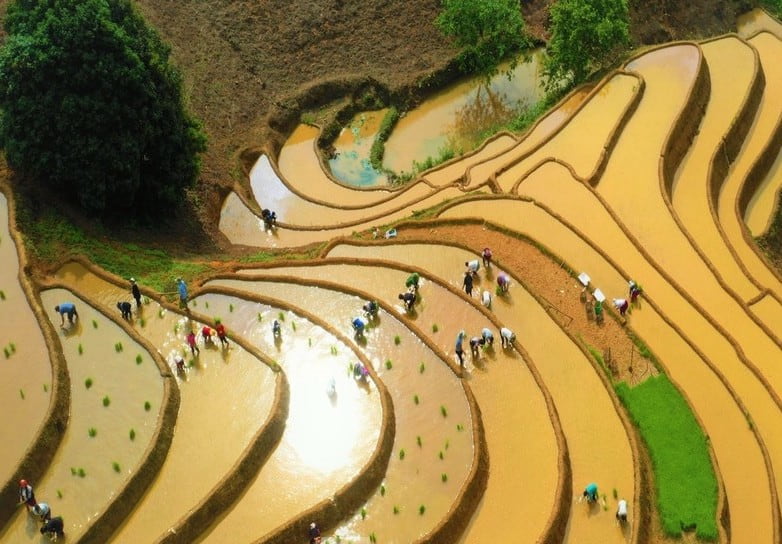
{"x": 586, "y": 183}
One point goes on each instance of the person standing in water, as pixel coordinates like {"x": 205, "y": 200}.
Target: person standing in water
{"x": 26, "y": 495}
{"x": 182, "y": 290}
{"x": 125, "y": 308}
{"x": 69, "y": 309}
{"x": 486, "y": 255}
{"x": 621, "y": 511}
{"x": 459, "y": 349}
{"x": 136, "y": 292}
{"x": 191, "y": 342}
{"x": 467, "y": 283}
{"x": 220, "y": 330}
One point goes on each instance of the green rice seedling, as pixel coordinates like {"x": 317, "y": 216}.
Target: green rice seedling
{"x": 435, "y": 328}
{"x": 115, "y": 466}
{"x": 363, "y": 513}
{"x": 21, "y": 393}
{"x": 441, "y": 455}
{"x": 88, "y": 383}
{"x": 443, "y": 477}
{"x": 59, "y": 494}
{"x": 45, "y": 388}
{"x": 421, "y": 510}
{"x": 616, "y": 495}
{"x": 389, "y": 364}
{"x": 396, "y": 510}
{"x": 402, "y": 454}
{"x": 2, "y": 294}
{"x": 6, "y": 353}
{"x": 333, "y": 350}
{"x": 118, "y": 347}
{"x": 206, "y": 305}
{"x": 94, "y": 324}
{"x": 74, "y": 472}
{"x": 382, "y": 490}
{"x": 142, "y": 322}
{"x": 161, "y": 312}
{"x": 419, "y": 441}
{"x": 459, "y": 427}
{"x": 194, "y": 302}
{"x": 447, "y": 444}
{"x": 443, "y": 411}
{"x": 132, "y": 434}
{"x": 309, "y": 342}
{"x": 81, "y": 472}
{"x": 397, "y": 340}
{"x": 281, "y": 316}
{"x": 106, "y": 401}
{"x": 421, "y": 367}
{"x": 146, "y": 300}
{"x": 92, "y": 432}
{"x": 81, "y": 349}
{"x": 12, "y": 347}
{"x": 176, "y": 328}
{"x": 260, "y": 317}
{"x": 147, "y": 406}
{"x": 139, "y": 359}
{"x": 416, "y": 399}
{"x": 230, "y": 308}
{"x": 372, "y": 537}
{"x": 293, "y": 326}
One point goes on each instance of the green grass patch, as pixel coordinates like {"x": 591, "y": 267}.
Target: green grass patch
{"x": 683, "y": 473}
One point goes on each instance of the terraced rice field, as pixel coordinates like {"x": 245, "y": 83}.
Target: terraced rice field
{"x": 661, "y": 173}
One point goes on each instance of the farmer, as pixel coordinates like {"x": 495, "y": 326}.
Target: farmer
{"x": 126, "y": 308}
{"x": 503, "y": 282}
{"x": 359, "y": 323}
{"x": 370, "y": 309}
{"x": 43, "y": 511}
{"x": 622, "y": 305}
{"x": 621, "y": 511}
{"x": 486, "y": 255}
{"x": 408, "y": 299}
{"x": 191, "y": 341}
{"x": 475, "y": 346}
{"x": 26, "y": 494}
{"x": 590, "y": 492}
{"x": 486, "y": 299}
{"x": 314, "y": 533}
{"x": 206, "y": 334}
{"x": 412, "y": 281}
{"x": 54, "y": 528}
{"x": 136, "y": 292}
{"x": 180, "y": 364}
{"x": 220, "y": 330}
{"x": 360, "y": 372}
{"x": 276, "y": 329}
{"x": 506, "y": 337}
{"x": 269, "y": 218}
{"x": 467, "y": 283}
{"x": 182, "y": 289}
{"x": 488, "y": 336}
{"x": 473, "y": 266}
{"x": 635, "y": 291}
{"x": 69, "y": 309}
{"x": 459, "y": 349}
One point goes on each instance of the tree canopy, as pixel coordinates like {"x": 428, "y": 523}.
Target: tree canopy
{"x": 92, "y": 108}
{"x": 584, "y": 35}
{"x": 486, "y": 30}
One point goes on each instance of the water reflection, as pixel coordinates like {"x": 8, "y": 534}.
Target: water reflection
{"x": 350, "y": 163}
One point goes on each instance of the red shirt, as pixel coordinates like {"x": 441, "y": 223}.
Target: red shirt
{"x": 220, "y": 328}
{"x": 191, "y": 339}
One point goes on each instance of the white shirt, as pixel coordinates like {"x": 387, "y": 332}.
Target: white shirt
{"x": 486, "y": 299}
{"x": 622, "y": 510}
{"x": 507, "y": 334}
{"x": 473, "y": 266}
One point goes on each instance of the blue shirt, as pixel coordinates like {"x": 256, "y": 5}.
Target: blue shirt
{"x": 182, "y": 290}
{"x": 591, "y": 489}
{"x": 67, "y": 308}
{"x": 459, "y": 340}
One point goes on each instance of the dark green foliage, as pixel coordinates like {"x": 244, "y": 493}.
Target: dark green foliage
{"x": 683, "y": 473}
{"x": 487, "y": 31}
{"x": 92, "y": 108}
{"x": 585, "y": 34}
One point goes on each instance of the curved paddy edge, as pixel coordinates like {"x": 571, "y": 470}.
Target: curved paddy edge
{"x": 555, "y": 527}
{"x": 41, "y": 451}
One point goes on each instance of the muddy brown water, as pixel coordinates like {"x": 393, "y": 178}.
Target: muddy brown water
{"x": 479, "y": 166}
{"x": 210, "y": 433}
{"x": 738, "y": 454}
{"x": 352, "y": 147}
{"x": 731, "y": 68}
{"x": 300, "y": 167}
{"x": 326, "y": 439}
{"x": 581, "y": 141}
{"x": 756, "y": 21}
{"x": 761, "y": 207}
{"x": 452, "y": 116}
{"x": 241, "y": 226}
{"x": 25, "y": 371}
{"x": 89, "y": 349}
{"x": 597, "y": 442}
{"x": 415, "y": 479}
{"x": 769, "y": 48}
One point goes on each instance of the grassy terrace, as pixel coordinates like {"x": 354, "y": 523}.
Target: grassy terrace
{"x": 684, "y": 477}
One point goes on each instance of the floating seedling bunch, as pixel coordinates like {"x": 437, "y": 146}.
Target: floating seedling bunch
{"x": 9, "y": 350}
{"x": 106, "y": 401}
{"x": 88, "y": 383}
{"x": 421, "y": 367}
{"x": 92, "y": 431}
{"x": 118, "y": 347}
{"x": 132, "y": 434}
{"x": 147, "y": 406}
{"x": 443, "y": 410}
{"x": 397, "y": 340}
{"x": 416, "y": 400}
{"x": 116, "y": 467}
{"x": 389, "y": 364}
{"x": 80, "y": 472}
{"x": 139, "y": 359}
{"x": 2, "y": 294}
{"x": 435, "y": 328}
{"x": 81, "y": 349}
{"x": 94, "y": 324}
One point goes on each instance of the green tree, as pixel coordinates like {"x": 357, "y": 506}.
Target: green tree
{"x": 92, "y": 109}
{"x": 486, "y": 30}
{"x": 585, "y": 34}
